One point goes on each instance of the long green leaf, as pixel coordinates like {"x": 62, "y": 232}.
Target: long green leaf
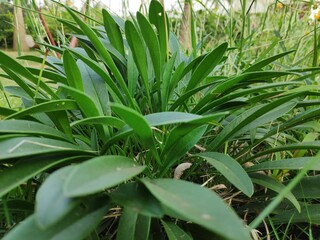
{"x": 103, "y": 53}
{"x": 97, "y": 68}
{"x": 174, "y": 232}
{"x": 127, "y": 225}
{"x": 72, "y": 227}
{"x": 189, "y": 201}
{"x": 136, "y": 121}
{"x": 274, "y": 185}
{"x": 259, "y": 65}
{"x": 136, "y": 197}
{"x": 72, "y": 71}
{"x": 309, "y": 214}
{"x": 28, "y": 146}
{"x": 288, "y": 147}
{"x": 246, "y": 118}
{"x": 136, "y": 44}
{"x": 180, "y": 141}
{"x": 231, "y": 170}
{"x": 153, "y": 45}
{"x": 30, "y": 128}
{"x": 307, "y": 188}
{"x": 104, "y": 120}
{"x": 206, "y": 66}
{"x": 16, "y": 67}
{"x": 230, "y": 83}
{"x": 51, "y": 106}
{"x": 51, "y": 204}
{"x": 113, "y": 31}
{"x": 12, "y": 177}
{"x": 85, "y": 103}
{"x": 94, "y": 86}
{"x": 289, "y": 164}
{"x": 108, "y": 171}
{"x": 157, "y": 18}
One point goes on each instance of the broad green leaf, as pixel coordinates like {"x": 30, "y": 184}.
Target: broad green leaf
{"x": 76, "y": 225}
{"x": 51, "y": 106}
{"x": 206, "y": 66}
{"x": 136, "y": 44}
{"x": 94, "y": 86}
{"x": 103, "y": 120}
{"x": 133, "y": 226}
{"x": 309, "y": 214}
{"x": 165, "y": 118}
{"x": 72, "y": 71}
{"x": 190, "y": 202}
{"x": 113, "y": 31}
{"x": 12, "y": 177}
{"x": 51, "y": 204}
{"x": 174, "y": 232}
{"x": 180, "y": 141}
{"x": 136, "y": 121}
{"x": 28, "y": 146}
{"x": 274, "y": 185}
{"x": 289, "y": 164}
{"x": 30, "y": 128}
{"x": 127, "y": 225}
{"x": 108, "y": 171}
{"x": 143, "y": 227}
{"x": 231, "y": 170}
{"x": 85, "y": 103}
{"x": 136, "y": 197}
{"x": 61, "y": 121}
{"x": 188, "y": 124}
{"x": 151, "y": 40}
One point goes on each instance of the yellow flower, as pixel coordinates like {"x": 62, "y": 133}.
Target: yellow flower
{"x": 315, "y": 13}
{"x": 279, "y": 5}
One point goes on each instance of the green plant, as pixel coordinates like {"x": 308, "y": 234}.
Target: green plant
{"x": 105, "y": 126}
{"x": 6, "y": 25}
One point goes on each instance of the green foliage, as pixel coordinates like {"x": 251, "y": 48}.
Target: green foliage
{"x": 103, "y": 130}
{"x": 6, "y": 25}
